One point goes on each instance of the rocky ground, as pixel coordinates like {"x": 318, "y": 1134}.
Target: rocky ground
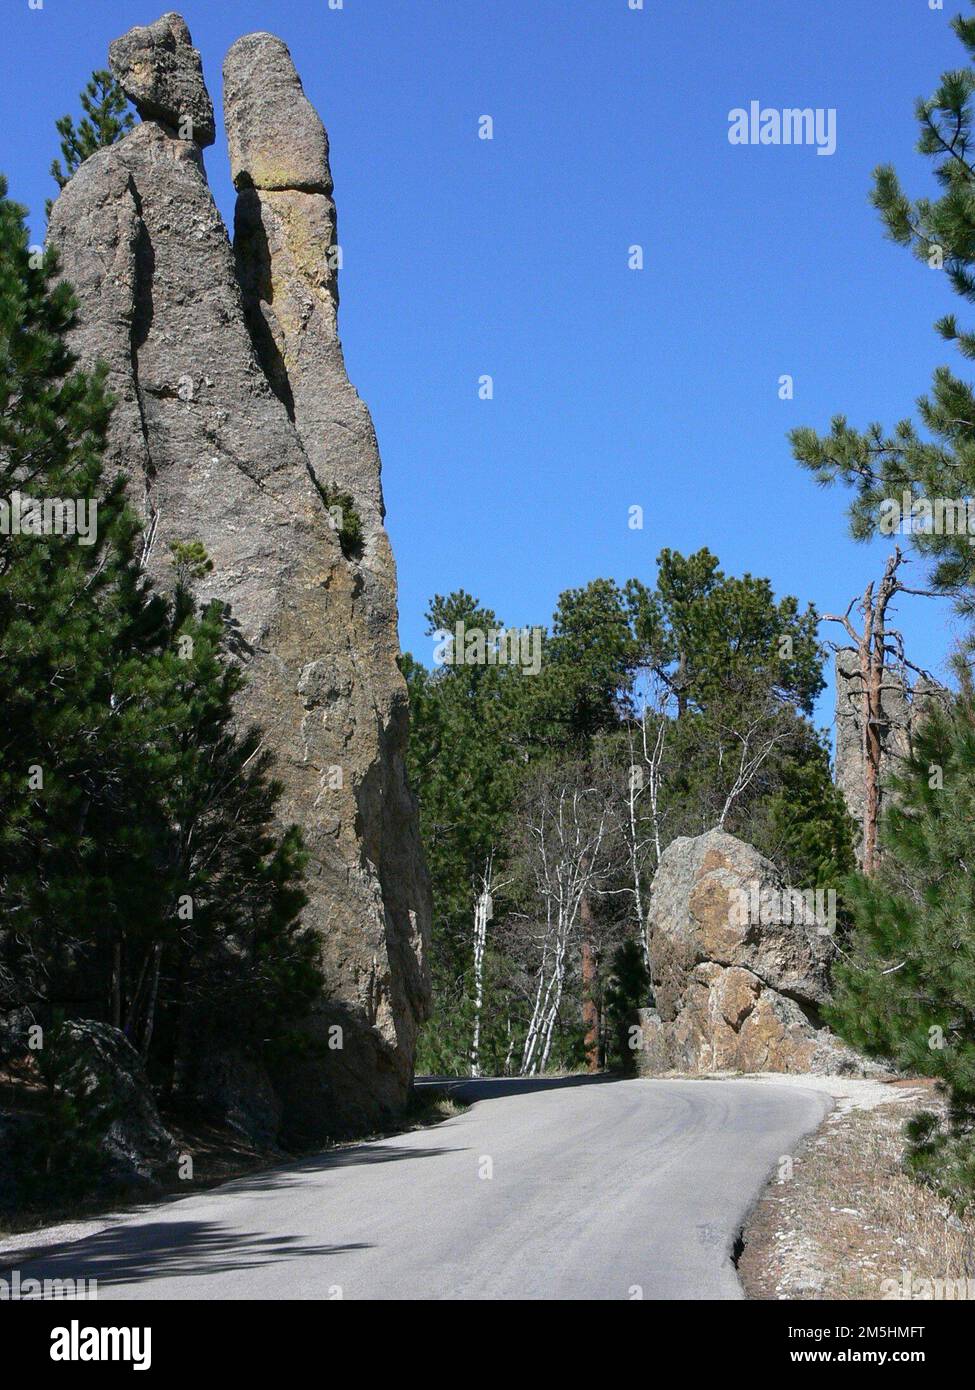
{"x": 845, "y": 1217}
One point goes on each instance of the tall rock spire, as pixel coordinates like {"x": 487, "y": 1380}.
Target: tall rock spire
{"x": 288, "y": 257}
{"x": 237, "y": 426}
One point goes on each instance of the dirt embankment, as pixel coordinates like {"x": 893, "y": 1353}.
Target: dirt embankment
{"x": 844, "y": 1220}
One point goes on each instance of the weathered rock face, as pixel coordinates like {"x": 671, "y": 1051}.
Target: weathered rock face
{"x": 160, "y": 71}
{"x": 274, "y": 134}
{"x": 739, "y": 966}
{"x": 234, "y": 428}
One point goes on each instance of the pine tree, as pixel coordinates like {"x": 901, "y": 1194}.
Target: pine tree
{"x": 107, "y": 118}
{"x": 627, "y": 990}
{"x": 467, "y": 749}
{"x": 735, "y": 673}
{"x": 142, "y": 879}
{"x": 908, "y": 992}
{"x": 588, "y": 667}
{"x": 68, "y": 611}
{"x": 707, "y": 635}
{"x": 223, "y": 963}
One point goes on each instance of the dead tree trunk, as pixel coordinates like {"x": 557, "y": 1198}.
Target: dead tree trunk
{"x": 875, "y": 646}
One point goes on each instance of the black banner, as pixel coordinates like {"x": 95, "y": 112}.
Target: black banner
{"x": 167, "y": 1338}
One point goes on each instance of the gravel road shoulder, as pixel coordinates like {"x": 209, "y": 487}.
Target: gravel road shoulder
{"x": 843, "y": 1220}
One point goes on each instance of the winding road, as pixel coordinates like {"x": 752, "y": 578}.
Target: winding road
{"x": 580, "y": 1188}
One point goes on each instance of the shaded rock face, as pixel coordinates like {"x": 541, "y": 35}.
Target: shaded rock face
{"x": 103, "y": 1064}
{"x": 123, "y": 1143}
{"x": 739, "y": 967}
{"x": 233, "y": 424}
{"x": 236, "y": 1090}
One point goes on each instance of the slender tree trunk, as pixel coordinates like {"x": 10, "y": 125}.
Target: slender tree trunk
{"x": 557, "y": 982}
{"x": 131, "y": 1028}
{"x": 590, "y": 1004}
{"x": 872, "y": 672}
{"x": 482, "y": 914}
{"x": 546, "y": 1008}
{"x": 153, "y": 996}
{"x": 531, "y": 1034}
{"x": 873, "y": 646}
{"x": 117, "y": 983}
{"x": 509, "y": 1055}
{"x": 652, "y": 762}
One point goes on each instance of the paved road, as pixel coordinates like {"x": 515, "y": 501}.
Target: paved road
{"x": 597, "y": 1189}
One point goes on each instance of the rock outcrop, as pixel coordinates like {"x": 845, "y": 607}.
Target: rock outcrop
{"x": 101, "y": 1065}
{"x": 111, "y": 1139}
{"x": 238, "y": 427}
{"x": 160, "y": 71}
{"x": 739, "y": 966}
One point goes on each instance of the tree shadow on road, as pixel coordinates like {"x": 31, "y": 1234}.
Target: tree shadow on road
{"x": 345, "y": 1156}
{"x": 497, "y": 1087}
{"x": 131, "y": 1254}
{"x": 137, "y": 1249}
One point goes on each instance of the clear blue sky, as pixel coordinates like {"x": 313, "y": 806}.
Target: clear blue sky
{"x": 612, "y": 387}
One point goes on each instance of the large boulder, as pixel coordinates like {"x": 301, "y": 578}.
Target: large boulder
{"x": 716, "y": 899}
{"x": 739, "y": 965}
{"x": 238, "y": 427}
{"x": 275, "y": 137}
{"x": 99, "y": 1065}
